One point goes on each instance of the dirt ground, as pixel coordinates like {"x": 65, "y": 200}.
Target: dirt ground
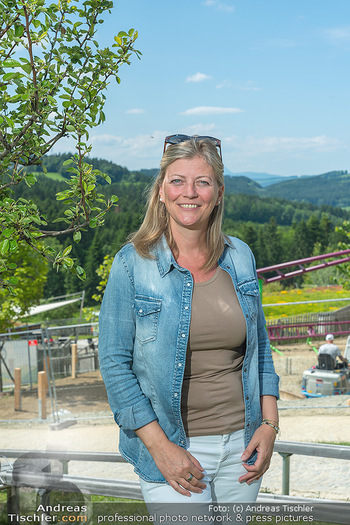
{"x": 296, "y": 358}
{"x": 86, "y": 393}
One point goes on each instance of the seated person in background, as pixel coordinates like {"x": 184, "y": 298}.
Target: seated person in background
{"x": 331, "y": 349}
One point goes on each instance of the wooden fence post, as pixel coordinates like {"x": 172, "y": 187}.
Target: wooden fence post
{"x": 74, "y": 347}
{"x": 42, "y": 388}
{"x": 18, "y": 400}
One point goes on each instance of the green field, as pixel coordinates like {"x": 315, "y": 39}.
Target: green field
{"x": 282, "y": 297}
{"x": 51, "y": 175}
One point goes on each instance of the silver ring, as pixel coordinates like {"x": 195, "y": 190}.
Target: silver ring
{"x": 190, "y": 478}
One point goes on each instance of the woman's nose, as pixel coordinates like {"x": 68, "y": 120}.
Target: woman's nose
{"x": 190, "y": 190}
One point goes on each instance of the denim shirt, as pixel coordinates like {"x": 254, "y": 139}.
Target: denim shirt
{"x": 144, "y": 328}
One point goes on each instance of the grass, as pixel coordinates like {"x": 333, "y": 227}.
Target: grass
{"x": 52, "y": 175}
{"x": 281, "y": 297}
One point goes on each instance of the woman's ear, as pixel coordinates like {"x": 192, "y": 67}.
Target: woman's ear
{"x": 220, "y": 194}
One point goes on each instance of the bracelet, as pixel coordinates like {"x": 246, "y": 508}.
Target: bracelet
{"x": 271, "y": 421}
{"x": 266, "y": 422}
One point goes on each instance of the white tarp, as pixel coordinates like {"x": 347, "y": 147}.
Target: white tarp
{"x": 49, "y": 306}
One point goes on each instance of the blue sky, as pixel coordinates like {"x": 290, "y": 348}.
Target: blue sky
{"x": 270, "y": 78}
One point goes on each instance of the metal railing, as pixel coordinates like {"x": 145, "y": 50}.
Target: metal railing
{"x": 286, "y": 330}
{"x": 131, "y": 489}
{"x": 286, "y": 449}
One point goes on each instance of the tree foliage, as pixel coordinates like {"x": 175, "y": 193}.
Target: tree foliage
{"x": 30, "y": 269}
{"x": 53, "y": 79}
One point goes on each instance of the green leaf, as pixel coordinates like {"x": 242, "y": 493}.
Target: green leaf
{"x": 27, "y": 68}
{"x": 9, "y": 122}
{"x": 80, "y": 270}
{"x": 4, "y": 246}
{"x": 10, "y": 62}
{"x": 67, "y": 251}
{"x": 19, "y": 30}
{"x": 62, "y": 195}
{"x": 77, "y": 236}
{"x": 8, "y": 232}
{"x": 11, "y": 76}
{"x": 68, "y": 262}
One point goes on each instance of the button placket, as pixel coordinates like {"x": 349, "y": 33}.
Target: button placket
{"x": 181, "y": 354}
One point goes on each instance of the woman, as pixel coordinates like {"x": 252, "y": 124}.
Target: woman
{"x": 183, "y": 348}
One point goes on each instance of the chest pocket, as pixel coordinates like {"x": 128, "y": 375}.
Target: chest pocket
{"x": 147, "y": 313}
{"x": 250, "y": 291}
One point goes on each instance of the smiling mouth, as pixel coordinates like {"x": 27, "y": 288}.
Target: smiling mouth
{"x": 189, "y": 206}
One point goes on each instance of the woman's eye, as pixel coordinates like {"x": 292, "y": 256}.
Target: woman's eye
{"x": 176, "y": 181}
{"x": 203, "y": 183}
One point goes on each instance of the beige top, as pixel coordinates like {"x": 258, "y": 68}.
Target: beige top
{"x": 212, "y": 394}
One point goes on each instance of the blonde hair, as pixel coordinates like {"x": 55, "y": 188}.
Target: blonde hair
{"x": 156, "y": 221}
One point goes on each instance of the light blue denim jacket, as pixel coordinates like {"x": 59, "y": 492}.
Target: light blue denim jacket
{"x": 144, "y": 328}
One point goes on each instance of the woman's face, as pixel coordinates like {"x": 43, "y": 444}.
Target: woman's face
{"x": 190, "y": 192}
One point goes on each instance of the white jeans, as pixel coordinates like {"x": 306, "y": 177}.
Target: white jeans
{"x": 220, "y": 456}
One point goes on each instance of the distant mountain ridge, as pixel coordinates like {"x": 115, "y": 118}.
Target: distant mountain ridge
{"x": 264, "y": 179}
{"x": 331, "y": 188}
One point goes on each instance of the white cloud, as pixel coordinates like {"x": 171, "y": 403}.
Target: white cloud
{"x": 338, "y": 35}
{"x": 199, "y": 129}
{"x": 224, "y": 84}
{"x": 221, "y": 6}
{"x": 135, "y": 152}
{"x": 247, "y": 86}
{"x": 135, "y": 111}
{"x": 210, "y": 110}
{"x": 241, "y": 153}
{"x": 197, "y": 77}
{"x": 253, "y": 146}
{"x": 106, "y": 139}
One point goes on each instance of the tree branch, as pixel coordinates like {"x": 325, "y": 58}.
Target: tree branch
{"x": 32, "y": 63}
{"x": 4, "y": 31}
{"x": 55, "y": 233}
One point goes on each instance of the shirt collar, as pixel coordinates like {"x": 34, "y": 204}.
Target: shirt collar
{"x": 165, "y": 258}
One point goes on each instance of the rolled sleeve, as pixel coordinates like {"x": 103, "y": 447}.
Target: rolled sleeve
{"x": 135, "y": 416}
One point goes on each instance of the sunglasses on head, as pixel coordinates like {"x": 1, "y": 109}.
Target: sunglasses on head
{"x": 177, "y": 139}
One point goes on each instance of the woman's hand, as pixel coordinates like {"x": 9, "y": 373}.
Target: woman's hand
{"x": 263, "y": 440}
{"x": 180, "y": 469}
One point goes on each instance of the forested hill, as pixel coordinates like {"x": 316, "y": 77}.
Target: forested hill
{"x": 55, "y": 164}
{"x": 332, "y": 189}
